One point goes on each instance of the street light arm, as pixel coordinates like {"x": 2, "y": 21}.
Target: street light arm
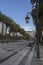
{"x": 29, "y": 13}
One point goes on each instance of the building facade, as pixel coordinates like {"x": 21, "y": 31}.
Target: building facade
{"x": 32, "y": 33}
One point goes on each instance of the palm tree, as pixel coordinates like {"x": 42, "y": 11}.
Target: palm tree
{"x": 32, "y": 1}
{"x": 11, "y": 24}
{"x": 37, "y": 12}
{"x": 39, "y": 22}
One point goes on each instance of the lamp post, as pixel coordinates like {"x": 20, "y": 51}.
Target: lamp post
{"x": 37, "y": 28}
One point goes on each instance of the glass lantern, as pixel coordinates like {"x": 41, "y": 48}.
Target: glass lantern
{"x": 27, "y": 19}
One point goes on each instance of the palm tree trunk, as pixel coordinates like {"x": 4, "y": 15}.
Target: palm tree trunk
{"x": 6, "y": 34}
{"x": 16, "y": 36}
{"x": 38, "y": 42}
{"x": 9, "y": 36}
{"x": 2, "y": 31}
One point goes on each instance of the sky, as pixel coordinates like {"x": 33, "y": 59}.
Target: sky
{"x": 17, "y": 10}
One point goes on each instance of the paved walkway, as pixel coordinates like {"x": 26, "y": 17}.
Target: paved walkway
{"x": 21, "y": 57}
{"x": 16, "y": 59}
{"x": 5, "y": 55}
{"x": 38, "y": 61}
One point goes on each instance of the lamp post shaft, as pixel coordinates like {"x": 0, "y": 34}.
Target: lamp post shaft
{"x": 37, "y": 30}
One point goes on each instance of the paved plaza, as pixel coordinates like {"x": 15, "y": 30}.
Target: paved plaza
{"x": 36, "y": 61}
{"x": 19, "y": 54}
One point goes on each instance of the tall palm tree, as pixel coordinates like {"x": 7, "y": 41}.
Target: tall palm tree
{"x": 11, "y": 24}
{"x": 37, "y": 13}
{"x": 40, "y": 16}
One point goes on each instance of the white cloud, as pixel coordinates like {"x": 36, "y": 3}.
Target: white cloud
{"x": 29, "y": 28}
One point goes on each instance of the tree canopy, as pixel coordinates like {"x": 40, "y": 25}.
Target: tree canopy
{"x": 12, "y": 25}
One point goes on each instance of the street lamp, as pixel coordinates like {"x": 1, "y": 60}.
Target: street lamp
{"x": 37, "y": 29}
{"x": 37, "y": 32}
{"x": 27, "y": 18}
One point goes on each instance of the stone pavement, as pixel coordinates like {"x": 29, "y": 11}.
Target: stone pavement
{"x": 6, "y": 55}
{"x": 30, "y": 57}
{"x": 16, "y": 59}
{"x": 23, "y": 57}
{"x": 38, "y": 61}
